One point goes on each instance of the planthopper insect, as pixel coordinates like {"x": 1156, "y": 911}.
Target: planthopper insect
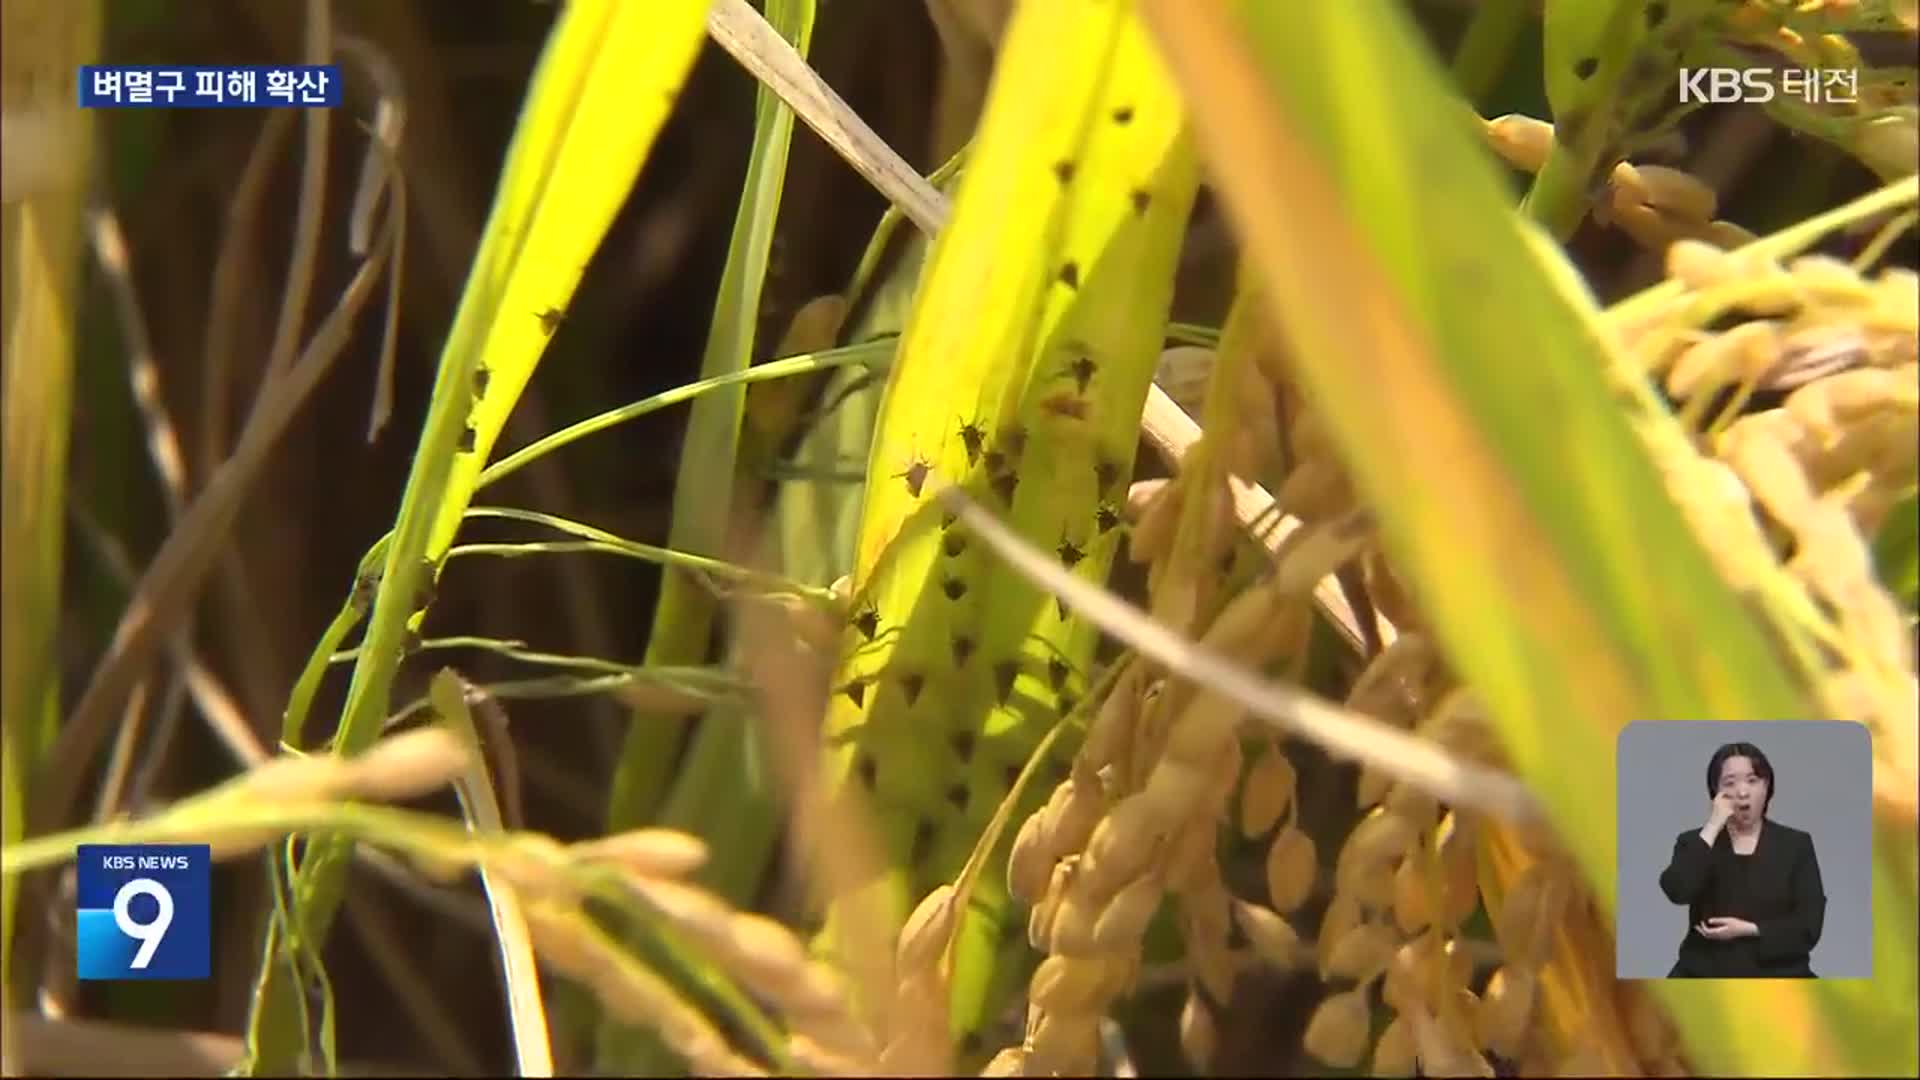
{"x": 974, "y": 437}
{"x": 915, "y": 475}
{"x": 1082, "y": 368}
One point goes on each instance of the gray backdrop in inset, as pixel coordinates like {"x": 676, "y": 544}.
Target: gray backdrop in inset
{"x": 1823, "y": 771}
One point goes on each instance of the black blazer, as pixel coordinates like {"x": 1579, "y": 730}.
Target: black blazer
{"x": 1777, "y": 888}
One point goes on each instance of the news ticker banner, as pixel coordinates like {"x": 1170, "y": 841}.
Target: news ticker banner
{"x": 317, "y": 86}
{"x": 143, "y": 911}
{"x": 178, "y": 86}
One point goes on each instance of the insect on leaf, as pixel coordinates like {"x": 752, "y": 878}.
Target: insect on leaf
{"x": 1609, "y": 69}
{"x": 1021, "y": 373}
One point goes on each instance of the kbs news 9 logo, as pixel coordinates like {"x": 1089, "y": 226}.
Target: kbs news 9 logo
{"x": 142, "y": 911}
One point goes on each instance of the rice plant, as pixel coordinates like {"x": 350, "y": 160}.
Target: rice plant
{"x": 1167, "y": 606}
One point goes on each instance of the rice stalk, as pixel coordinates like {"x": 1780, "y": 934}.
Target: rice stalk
{"x": 577, "y": 150}
{"x": 1029, "y": 393}
{"x": 1323, "y": 144}
{"x": 40, "y": 249}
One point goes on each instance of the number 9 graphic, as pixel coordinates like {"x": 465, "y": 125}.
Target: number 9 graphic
{"x": 148, "y": 934}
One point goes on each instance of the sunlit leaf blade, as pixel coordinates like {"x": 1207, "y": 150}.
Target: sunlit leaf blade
{"x": 1469, "y": 397}
{"x": 1021, "y": 372}
{"x": 602, "y": 91}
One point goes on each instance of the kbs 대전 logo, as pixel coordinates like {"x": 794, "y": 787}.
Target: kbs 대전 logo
{"x": 1759, "y": 85}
